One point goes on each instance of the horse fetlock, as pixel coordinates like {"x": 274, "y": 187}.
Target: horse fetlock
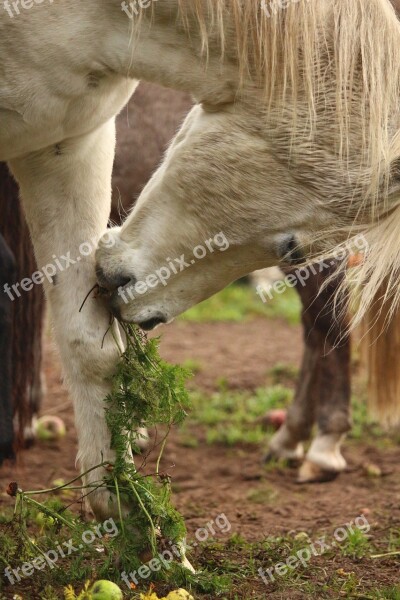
{"x": 103, "y": 504}
{"x": 99, "y": 500}
{"x": 284, "y": 446}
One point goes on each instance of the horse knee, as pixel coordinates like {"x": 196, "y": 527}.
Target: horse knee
{"x": 335, "y": 422}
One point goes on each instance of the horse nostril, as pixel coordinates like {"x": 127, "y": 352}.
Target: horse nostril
{"x": 101, "y": 278}
{"x": 123, "y": 281}
{"x": 153, "y": 322}
{"x": 112, "y": 282}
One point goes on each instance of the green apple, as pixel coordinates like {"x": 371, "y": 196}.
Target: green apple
{"x": 105, "y": 590}
{"x": 49, "y": 428}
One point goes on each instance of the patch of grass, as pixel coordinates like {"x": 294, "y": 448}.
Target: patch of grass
{"x": 387, "y": 593}
{"x": 265, "y": 495}
{"x": 237, "y": 406}
{"x": 34, "y": 532}
{"x": 365, "y": 427}
{"x": 231, "y": 417}
{"x": 321, "y": 578}
{"x": 192, "y": 366}
{"x": 238, "y": 303}
{"x": 394, "y": 540}
{"x": 346, "y": 584}
{"x": 356, "y": 545}
{"x": 284, "y": 373}
{"x": 231, "y": 569}
{"x": 231, "y": 435}
{"x": 363, "y": 423}
{"x": 390, "y": 547}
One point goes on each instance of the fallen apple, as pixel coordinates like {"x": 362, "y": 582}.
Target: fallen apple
{"x": 180, "y": 594}
{"x": 49, "y": 428}
{"x": 275, "y": 418}
{"x": 105, "y": 590}
{"x": 372, "y": 470}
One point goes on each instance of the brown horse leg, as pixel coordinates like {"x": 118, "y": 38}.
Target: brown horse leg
{"x": 328, "y": 331}
{"x": 37, "y": 388}
{"x": 7, "y": 276}
{"x": 27, "y": 312}
{"x": 324, "y": 459}
{"x": 323, "y": 389}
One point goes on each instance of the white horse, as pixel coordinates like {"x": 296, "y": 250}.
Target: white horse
{"x": 293, "y": 138}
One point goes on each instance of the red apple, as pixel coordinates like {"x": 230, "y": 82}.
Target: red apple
{"x": 275, "y": 418}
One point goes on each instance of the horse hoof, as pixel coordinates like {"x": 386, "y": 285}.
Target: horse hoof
{"x": 325, "y": 452}
{"x": 293, "y": 456}
{"x": 309, "y": 472}
{"x": 282, "y": 446}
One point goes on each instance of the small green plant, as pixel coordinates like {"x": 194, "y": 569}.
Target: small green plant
{"x": 146, "y": 392}
{"x": 357, "y": 545}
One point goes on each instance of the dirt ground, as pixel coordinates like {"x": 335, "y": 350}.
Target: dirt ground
{"x": 213, "y": 479}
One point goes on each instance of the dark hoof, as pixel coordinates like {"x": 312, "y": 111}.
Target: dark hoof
{"x": 311, "y": 473}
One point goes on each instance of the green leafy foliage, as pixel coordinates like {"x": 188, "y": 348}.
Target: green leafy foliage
{"x": 146, "y": 392}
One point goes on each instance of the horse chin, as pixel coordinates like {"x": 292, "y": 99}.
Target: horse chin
{"x": 147, "y": 319}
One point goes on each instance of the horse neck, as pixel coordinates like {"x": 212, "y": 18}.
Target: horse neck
{"x": 159, "y": 47}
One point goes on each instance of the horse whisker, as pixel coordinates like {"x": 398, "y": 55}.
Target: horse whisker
{"x": 96, "y": 285}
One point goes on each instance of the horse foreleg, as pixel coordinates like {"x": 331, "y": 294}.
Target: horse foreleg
{"x": 287, "y": 443}
{"x": 323, "y": 390}
{"x": 327, "y": 332}
{"x": 66, "y": 192}
{"x": 7, "y": 275}
{"x": 324, "y": 458}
